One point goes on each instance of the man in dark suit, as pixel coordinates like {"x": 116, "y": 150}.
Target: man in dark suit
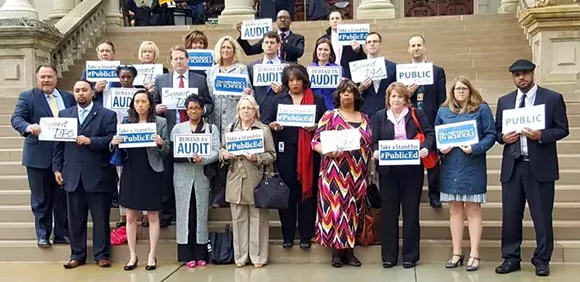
{"x": 265, "y": 94}
{"x": 373, "y": 91}
{"x": 45, "y": 195}
{"x": 105, "y": 52}
{"x": 180, "y": 77}
{"x": 88, "y": 178}
{"x": 529, "y": 168}
{"x": 291, "y": 44}
{"x": 428, "y": 98}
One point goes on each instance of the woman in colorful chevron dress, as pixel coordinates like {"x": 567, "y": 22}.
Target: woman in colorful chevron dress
{"x": 343, "y": 176}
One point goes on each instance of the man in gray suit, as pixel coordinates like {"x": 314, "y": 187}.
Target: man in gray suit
{"x": 179, "y": 77}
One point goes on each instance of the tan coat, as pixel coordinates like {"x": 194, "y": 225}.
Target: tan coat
{"x": 244, "y": 175}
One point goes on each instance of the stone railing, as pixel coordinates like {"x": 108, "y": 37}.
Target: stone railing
{"x": 521, "y": 8}
{"x": 81, "y": 27}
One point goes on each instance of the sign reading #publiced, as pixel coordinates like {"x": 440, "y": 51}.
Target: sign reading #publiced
{"x": 102, "y": 70}
{"x": 420, "y": 74}
{"x": 190, "y": 145}
{"x": 137, "y": 135}
{"x": 456, "y": 134}
{"x": 266, "y": 74}
{"x": 349, "y": 32}
{"x": 229, "y": 84}
{"x": 255, "y": 29}
{"x": 58, "y": 129}
{"x": 200, "y": 59}
{"x": 242, "y": 142}
{"x": 174, "y": 98}
{"x": 296, "y": 115}
{"x": 399, "y": 152}
{"x": 324, "y": 77}
{"x": 529, "y": 117}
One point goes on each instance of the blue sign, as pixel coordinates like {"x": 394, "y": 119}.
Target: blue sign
{"x": 349, "y": 32}
{"x": 132, "y": 138}
{"x": 244, "y": 145}
{"x": 101, "y": 70}
{"x": 136, "y": 135}
{"x": 456, "y": 134}
{"x": 102, "y": 74}
{"x": 230, "y": 84}
{"x": 350, "y": 36}
{"x": 200, "y": 59}
{"x": 399, "y": 152}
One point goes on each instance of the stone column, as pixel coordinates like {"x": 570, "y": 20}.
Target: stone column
{"x": 61, "y": 9}
{"x": 15, "y": 9}
{"x": 114, "y": 16}
{"x": 236, "y": 11}
{"x": 507, "y": 7}
{"x": 375, "y": 9}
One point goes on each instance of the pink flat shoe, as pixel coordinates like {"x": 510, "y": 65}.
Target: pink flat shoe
{"x": 201, "y": 263}
{"x": 191, "y": 264}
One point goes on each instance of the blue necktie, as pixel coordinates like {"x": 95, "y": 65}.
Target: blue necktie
{"x": 82, "y": 116}
{"x": 268, "y": 87}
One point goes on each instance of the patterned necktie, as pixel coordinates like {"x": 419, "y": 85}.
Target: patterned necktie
{"x": 376, "y": 84}
{"x": 268, "y": 87}
{"x": 82, "y": 116}
{"x": 53, "y": 105}
{"x": 182, "y": 113}
{"x": 282, "y": 53}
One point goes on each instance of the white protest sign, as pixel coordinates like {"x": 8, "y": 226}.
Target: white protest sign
{"x": 242, "y": 142}
{"x": 420, "y": 74}
{"x": 399, "y": 152}
{"x": 349, "y": 32}
{"x": 120, "y": 98}
{"x": 189, "y": 145}
{"x": 517, "y": 119}
{"x": 137, "y": 135}
{"x": 102, "y": 70}
{"x": 296, "y": 115}
{"x": 324, "y": 77}
{"x": 255, "y": 29}
{"x": 58, "y": 129}
{"x": 146, "y": 73}
{"x": 265, "y": 74}
{"x": 340, "y": 140}
{"x": 373, "y": 68}
{"x": 456, "y": 134}
{"x": 174, "y": 98}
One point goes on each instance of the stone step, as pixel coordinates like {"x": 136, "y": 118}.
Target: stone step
{"x": 5, "y": 119}
{"x": 11, "y": 142}
{"x": 8, "y": 131}
{"x": 12, "y": 154}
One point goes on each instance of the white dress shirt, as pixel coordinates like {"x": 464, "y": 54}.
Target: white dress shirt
{"x": 530, "y": 98}
{"x": 88, "y": 110}
{"x": 275, "y": 61}
{"x": 336, "y": 46}
{"x": 176, "y": 85}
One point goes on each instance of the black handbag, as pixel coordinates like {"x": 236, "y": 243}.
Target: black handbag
{"x": 271, "y": 192}
{"x": 221, "y": 247}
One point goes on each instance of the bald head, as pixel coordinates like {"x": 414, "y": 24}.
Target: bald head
{"x": 417, "y": 48}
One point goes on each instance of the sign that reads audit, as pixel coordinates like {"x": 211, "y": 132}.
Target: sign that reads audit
{"x": 517, "y": 119}
{"x": 190, "y": 145}
{"x": 255, "y": 29}
{"x": 420, "y": 74}
{"x": 200, "y": 59}
{"x": 136, "y": 135}
{"x": 324, "y": 77}
{"x": 349, "y": 32}
{"x": 399, "y": 152}
{"x": 58, "y": 129}
{"x": 120, "y": 98}
{"x": 296, "y": 115}
{"x": 340, "y": 140}
{"x": 174, "y": 98}
{"x": 102, "y": 70}
{"x": 146, "y": 73}
{"x": 229, "y": 84}
{"x": 266, "y": 74}
{"x": 242, "y": 142}
{"x": 456, "y": 134}
{"x": 373, "y": 68}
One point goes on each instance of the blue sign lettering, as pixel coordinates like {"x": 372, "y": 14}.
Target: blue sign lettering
{"x": 399, "y": 155}
{"x": 190, "y": 148}
{"x": 142, "y": 137}
{"x": 268, "y": 77}
{"x": 350, "y": 36}
{"x": 415, "y": 74}
{"x": 257, "y": 31}
{"x": 121, "y": 102}
{"x": 228, "y": 84}
{"x": 101, "y": 73}
{"x": 324, "y": 79}
{"x": 200, "y": 60}
{"x": 244, "y": 145}
{"x": 306, "y": 118}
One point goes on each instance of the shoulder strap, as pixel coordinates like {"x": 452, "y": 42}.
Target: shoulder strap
{"x": 415, "y": 120}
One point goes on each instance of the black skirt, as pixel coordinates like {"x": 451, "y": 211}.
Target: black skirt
{"x": 141, "y": 186}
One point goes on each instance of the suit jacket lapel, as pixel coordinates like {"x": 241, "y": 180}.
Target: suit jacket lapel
{"x": 539, "y": 97}
{"x": 39, "y": 96}
{"x": 89, "y": 116}
{"x": 512, "y": 100}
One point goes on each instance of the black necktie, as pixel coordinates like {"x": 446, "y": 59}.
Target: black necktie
{"x": 517, "y": 147}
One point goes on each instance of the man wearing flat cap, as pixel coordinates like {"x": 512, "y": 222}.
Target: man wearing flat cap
{"x": 529, "y": 165}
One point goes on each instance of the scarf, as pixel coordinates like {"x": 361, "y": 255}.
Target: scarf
{"x": 199, "y": 128}
{"x": 305, "y": 155}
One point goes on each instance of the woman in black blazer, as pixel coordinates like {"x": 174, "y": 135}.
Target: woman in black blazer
{"x": 400, "y": 184}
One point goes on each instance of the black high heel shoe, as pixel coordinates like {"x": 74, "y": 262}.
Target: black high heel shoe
{"x": 131, "y": 267}
{"x": 336, "y": 258}
{"x": 151, "y": 267}
{"x": 471, "y": 267}
{"x": 452, "y": 264}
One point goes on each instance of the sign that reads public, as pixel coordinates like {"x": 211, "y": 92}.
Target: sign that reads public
{"x": 102, "y": 70}
{"x": 58, "y": 129}
{"x": 242, "y": 142}
{"x": 296, "y": 115}
{"x": 146, "y": 73}
{"x": 456, "y": 134}
{"x": 340, "y": 140}
{"x": 529, "y": 117}
{"x": 136, "y": 135}
{"x": 200, "y": 59}
{"x": 174, "y": 98}
{"x": 266, "y": 74}
{"x": 230, "y": 84}
{"x": 420, "y": 74}
{"x": 349, "y": 32}
{"x": 373, "y": 68}
{"x": 190, "y": 145}
{"x": 255, "y": 29}
{"x": 324, "y": 77}
{"x": 120, "y": 98}
{"x": 399, "y": 152}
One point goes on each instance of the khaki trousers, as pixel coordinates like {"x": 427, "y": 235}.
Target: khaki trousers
{"x": 251, "y": 238}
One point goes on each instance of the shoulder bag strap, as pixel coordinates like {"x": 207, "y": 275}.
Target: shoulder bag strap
{"x": 416, "y": 121}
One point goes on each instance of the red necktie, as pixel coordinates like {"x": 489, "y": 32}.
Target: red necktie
{"x": 282, "y": 53}
{"x": 182, "y": 113}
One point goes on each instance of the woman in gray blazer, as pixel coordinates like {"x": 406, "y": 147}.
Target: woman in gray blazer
{"x": 142, "y": 176}
{"x": 192, "y": 187}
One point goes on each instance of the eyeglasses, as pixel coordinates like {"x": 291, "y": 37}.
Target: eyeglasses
{"x": 461, "y": 89}
{"x": 195, "y": 109}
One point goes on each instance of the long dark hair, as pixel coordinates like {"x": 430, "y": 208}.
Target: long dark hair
{"x": 347, "y": 85}
{"x": 134, "y": 116}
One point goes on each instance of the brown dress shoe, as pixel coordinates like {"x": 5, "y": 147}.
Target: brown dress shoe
{"x": 104, "y": 263}
{"x": 73, "y": 263}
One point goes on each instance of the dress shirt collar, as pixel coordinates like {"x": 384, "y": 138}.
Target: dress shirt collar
{"x": 391, "y": 115}
{"x": 531, "y": 95}
{"x": 424, "y": 61}
{"x": 55, "y": 94}
{"x": 176, "y": 75}
{"x": 275, "y": 61}
{"x": 285, "y": 32}
{"x": 88, "y": 108}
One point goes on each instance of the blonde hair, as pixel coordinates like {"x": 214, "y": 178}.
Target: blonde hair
{"x": 401, "y": 90}
{"x": 148, "y": 46}
{"x": 218, "y": 47}
{"x": 473, "y": 101}
{"x": 252, "y": 102}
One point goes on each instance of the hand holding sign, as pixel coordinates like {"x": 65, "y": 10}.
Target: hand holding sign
{"x": 510, "y": 137}
{"x": 33, "y": 129}
{"x": 423, "y": 152}
{"x": 276, "y": 87}
{"x": 445, "y": 150}
{"x": 466, "y": 149}
{"x": 334, "y": 155}
{"x": 157, "y": 140}
{"x": 117, "y": 140}
{"x": 275, "y": 126}
{"x": 82, "y": 140}
{"x": 532, "y": 134}
{"x": 100, "y": 85}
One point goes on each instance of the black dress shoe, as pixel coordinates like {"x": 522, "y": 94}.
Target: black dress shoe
{"x": 129, "y": 267}
{"x": 436, "y": 204}
{"x": 350, "y": 259}
{"x": 287, "y": 245}
{"x": 409, "y": 264}
{"x": 305, "y": 245}
{"x": 64, "y": 240}
{"x": 507, "y": 267}
{"x": 151, "y": 267}
{"x": 388, "y": 264}
{"x": 164, "y": 223}
{"x": 43, "y": 243}
{"x": 542, "y": 269}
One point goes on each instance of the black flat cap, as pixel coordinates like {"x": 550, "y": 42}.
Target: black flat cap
{"x": 522, "y": 65}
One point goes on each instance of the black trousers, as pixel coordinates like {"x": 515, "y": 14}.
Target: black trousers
{"x": 433, "y": 180}
{"x": 523, "y": 186}
{"x": 401, "y": 187}
{"x": 80, "y": 202}
{"x": 303, "y": 211}
{"x": 46, "y": 198}
{"x": 168, "y": 199}
{"x": 192, "y": 251}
